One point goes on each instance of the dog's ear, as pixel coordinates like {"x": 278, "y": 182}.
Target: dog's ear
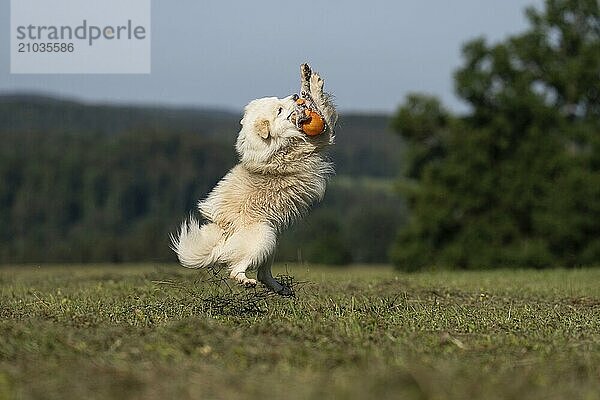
{"x": 263, "y": 127}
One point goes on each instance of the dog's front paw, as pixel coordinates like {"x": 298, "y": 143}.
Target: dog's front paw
{"x": 316, "y": 84}
{"x": 305, "y": 72}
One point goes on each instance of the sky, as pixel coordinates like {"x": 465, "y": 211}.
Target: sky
{"x": 224, "y": 53}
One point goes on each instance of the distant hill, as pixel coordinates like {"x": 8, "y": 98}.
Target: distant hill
{"x": 34, "y": 113}
{"x": 364, "y": 145}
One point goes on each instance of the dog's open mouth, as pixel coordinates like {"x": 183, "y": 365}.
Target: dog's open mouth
{"x": 298, "y": 117}
{"x": 307, "y": 117}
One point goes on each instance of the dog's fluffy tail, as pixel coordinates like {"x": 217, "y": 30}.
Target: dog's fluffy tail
{"x": 195, "y": 244}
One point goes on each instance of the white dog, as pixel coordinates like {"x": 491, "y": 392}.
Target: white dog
{"x": 281, "y": 173}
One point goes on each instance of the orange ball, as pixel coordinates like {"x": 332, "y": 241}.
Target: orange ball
{"x": 314, "y": 125}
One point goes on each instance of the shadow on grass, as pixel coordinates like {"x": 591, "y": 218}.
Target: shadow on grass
{"x": 221, "y": 296}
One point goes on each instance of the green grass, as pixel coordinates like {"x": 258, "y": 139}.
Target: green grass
{"x": 145, "y": 332}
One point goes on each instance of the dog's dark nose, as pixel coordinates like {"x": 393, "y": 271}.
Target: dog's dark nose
{"x": 295, "y": 97}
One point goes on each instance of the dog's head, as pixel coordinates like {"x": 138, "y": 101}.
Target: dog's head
{"x": 267, "y": 128}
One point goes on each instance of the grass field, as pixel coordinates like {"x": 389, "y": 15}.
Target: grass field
{"x": 161, "y": 332}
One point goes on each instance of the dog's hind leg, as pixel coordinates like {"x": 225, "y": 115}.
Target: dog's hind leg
{"x": 248, "y": 247}
{"x": 265, "y": 277}
{"x": 238, "y": 272}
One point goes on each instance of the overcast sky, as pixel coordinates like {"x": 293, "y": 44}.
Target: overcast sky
{"x": 224, "y": 53}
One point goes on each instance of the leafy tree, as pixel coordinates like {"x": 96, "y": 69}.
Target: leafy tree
{"x": 516, "y": 182}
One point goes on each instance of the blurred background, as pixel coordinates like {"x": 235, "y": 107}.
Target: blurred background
{"x": 469, "y": 134}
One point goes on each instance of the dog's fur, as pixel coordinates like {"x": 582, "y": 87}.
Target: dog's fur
{"x": 281, "y": 173}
